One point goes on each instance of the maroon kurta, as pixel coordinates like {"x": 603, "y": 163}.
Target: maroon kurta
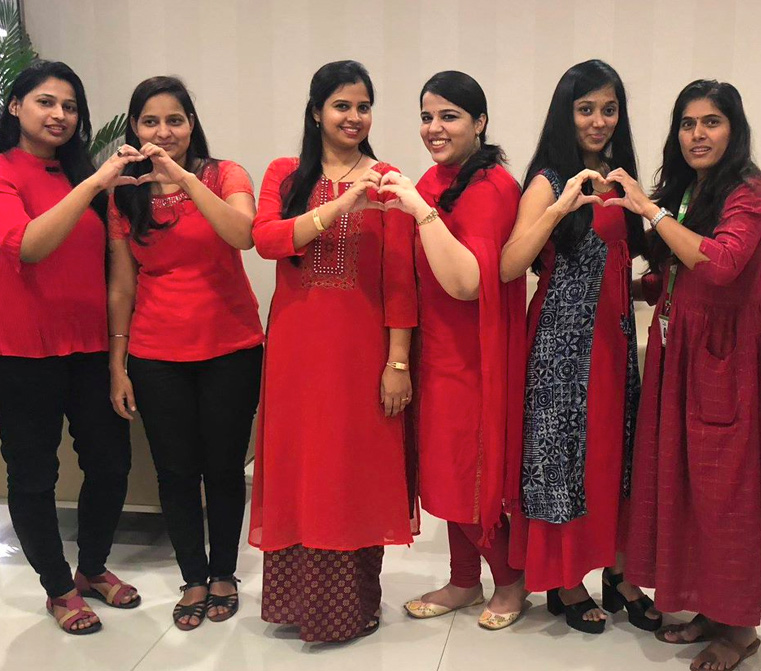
{"x": 695, "y": 527}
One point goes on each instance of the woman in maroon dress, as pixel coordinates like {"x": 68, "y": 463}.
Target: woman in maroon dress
{"x": 329, "y": 484}
{"x": 582, "y": 383}
{"x": 472, "y": 328}
{"x": 695, "y": 530}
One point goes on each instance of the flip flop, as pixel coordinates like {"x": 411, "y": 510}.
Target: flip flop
{"x": 744, "y": 653}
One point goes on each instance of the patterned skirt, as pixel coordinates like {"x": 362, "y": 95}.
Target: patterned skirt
{"x": 330, "y": 594}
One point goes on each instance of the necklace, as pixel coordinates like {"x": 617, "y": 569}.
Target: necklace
{"x": 351, "y": 170}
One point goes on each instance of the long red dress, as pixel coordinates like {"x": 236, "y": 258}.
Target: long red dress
{"x": 330, "y": 467}
{"x": 470, "y": 393}
{"x": 560, "y": 555}
{"x": 695, "y": 526}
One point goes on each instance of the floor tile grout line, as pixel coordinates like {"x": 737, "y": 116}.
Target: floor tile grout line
{"x": 150, "y": 650}
{"x": 446, "y": 641}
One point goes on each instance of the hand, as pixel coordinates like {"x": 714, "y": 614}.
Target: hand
{"x": 109, "y": 175}
{"x": 355, "y": 199}
{"x": 122, "y": 395}
{"x": 404, "y": 195}
{"x": 572, "y": 197}
{"x": 395, "y": 391}
{"x": 165, "y": 169}
{"x": 635, "y": 199}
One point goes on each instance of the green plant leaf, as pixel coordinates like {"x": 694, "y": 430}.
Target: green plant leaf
{"x": 108, "y": 138}
{"x": 16, "y": 51}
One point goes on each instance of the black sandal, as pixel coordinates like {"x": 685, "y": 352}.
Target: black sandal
{"x": 613, "y": 601}
{"x": 230, "y": 602}
{"x": 196, "y": 609}
{"x": 574, "y": 613}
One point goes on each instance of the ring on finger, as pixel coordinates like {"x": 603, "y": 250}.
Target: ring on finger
{"x": 119, "y": 152}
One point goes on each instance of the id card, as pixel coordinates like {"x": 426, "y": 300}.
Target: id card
{"x": 663, "y": 322}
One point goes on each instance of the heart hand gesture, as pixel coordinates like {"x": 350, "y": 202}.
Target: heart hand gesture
{"x": 635, "y": 199}
{"x": 165, "y": 169}
{"x": 573, "y": 198}
{"x": 355, "y": 197}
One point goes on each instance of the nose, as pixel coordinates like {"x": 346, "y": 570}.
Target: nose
{"x": 353, "y": 114}
{"x": 698, "y": 132}
{"x": 597, "y": 120}
{"x": 434, "y": 126}
{"x": 162, "y": 130}
{"x": 58, "y": 112}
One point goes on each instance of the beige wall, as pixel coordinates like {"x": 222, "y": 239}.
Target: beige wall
{"x": 249, "y": 63}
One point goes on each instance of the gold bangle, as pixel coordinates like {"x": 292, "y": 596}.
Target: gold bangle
{"x": 118, "y": 335}
{"x": 427, "y": 219}
{"x": 398, "y": 365}
{"x": 317, "y": 221}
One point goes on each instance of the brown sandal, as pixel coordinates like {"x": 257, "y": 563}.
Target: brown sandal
{"x": 742, "y": 651}
{"x": 707, "y": 628}
{"x": 76, "y": 610}
{"x": 230, "y": 601}
{"x": 118, "y": 589}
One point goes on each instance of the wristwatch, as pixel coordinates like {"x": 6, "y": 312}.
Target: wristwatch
{"x": 663, "y": 212}
{"x": 398, "y": 365}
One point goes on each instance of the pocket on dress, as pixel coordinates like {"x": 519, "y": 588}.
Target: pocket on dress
{"x": 716, "y": 379}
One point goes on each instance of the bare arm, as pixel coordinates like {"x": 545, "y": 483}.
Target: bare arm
{"x": 396, "y": 387}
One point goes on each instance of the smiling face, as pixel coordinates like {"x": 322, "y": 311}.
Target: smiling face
{"x": 595, "y": 116}
{"x": 704, "y": 133}
{"x": 47, "y": 117}
{"x": 163, "y": 122}
{"x": 346, "y": 117}
{"x": 448, "y": 131}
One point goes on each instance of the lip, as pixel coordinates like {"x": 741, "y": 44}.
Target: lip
{"x": 55, "y": 129}
{"x": 444, "y": 142}
{"x": 700, "y": 150}
{"x": 351, "y": 131}
{"x": 598, "y": 137}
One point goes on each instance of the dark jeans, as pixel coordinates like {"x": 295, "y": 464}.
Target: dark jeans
{"x": 35, "y": 394}
{"x": 198, "y": 416}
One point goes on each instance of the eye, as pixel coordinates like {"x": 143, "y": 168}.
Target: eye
{"x": 364, "y": 108}
{"x": 148, "y": 122}
{"x": 450, "y": 117}
{"x": 45, "y": 102}
{"x": 610, "y": 111}
{"x": 177, "y": 121}
{"x": 341, "y": 106}
{"x": 586, "y": 110}
{"x": 425, "y": 118}
{"x": 713, "y": 122}
{"x": 72, "y": 109}
{"x": 686, "y": 124}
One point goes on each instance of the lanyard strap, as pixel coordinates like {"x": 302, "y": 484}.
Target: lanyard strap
{"x": 683, "y": 206}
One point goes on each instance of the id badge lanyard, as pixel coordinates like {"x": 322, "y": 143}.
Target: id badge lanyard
{"x": 663, "y": 318}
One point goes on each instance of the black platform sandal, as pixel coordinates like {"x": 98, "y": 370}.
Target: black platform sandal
{"x": 231, "y": 601}
{"x": 574, "y": 614}
{"x": 196, "y": 609}
{"x": 613, "y": 601}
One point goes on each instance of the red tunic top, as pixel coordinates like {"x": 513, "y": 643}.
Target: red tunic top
{"x": 560, "y": 555}
{"x": 695, "y": 528}
{"x": 472, "y": 362}
{"x": 330, "y": 467}
{"x": 57, "y": 306}
{"x": 194, "y": 300}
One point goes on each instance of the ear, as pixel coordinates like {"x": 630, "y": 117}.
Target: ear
{"x": 480, "y": 124}
{"x": 192, "y": 122}
{"x": 13, "y": 107}
{"x": 316, "y": 115}
{"x": 133, "y": 125}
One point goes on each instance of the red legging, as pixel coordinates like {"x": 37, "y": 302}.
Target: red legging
{"x": 465, "y": 555}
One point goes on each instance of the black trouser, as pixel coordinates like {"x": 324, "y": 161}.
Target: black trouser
{"x": 35, "y": 394}
{"x": 198, "y": 416}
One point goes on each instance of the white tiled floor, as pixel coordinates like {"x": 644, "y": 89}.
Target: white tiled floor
{"x": 145, "y": 640}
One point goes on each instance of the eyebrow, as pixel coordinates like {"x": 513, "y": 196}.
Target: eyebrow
{"x": 590, "y": 102}
{"x": 444, "y": 111}
{"x": 712, "y": 115}
{"x": 348, "y": 102}
{"x": 50, "y": 95}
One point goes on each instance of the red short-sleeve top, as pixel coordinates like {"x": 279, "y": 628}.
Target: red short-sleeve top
{"x": 194, "y": 300}
{"x": 57, "y": 306}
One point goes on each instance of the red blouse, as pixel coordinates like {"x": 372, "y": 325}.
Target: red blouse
{"x": 194, "y": 300}
{"x": 57, "y": 306}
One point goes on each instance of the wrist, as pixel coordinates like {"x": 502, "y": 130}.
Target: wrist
{"x": 188, "y": 180}
{"x": 650, "y": 210}
{"x": 92, "y": 185}
{"x": 557, "y": 213}
{"x": 421, "y": 210}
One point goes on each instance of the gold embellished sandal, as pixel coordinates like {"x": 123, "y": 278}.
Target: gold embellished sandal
{"x": 422, "y": 610}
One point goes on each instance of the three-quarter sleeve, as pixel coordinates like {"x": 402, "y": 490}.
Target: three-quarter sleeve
{"x": 233, "y": 178}
{"x": 273, "y": 235}
{"x": 118, "y": 224}
{"x": 735, "y": 239}
{"x": 652, "y": 285}
{"x": 399, "y": 287}
{"x": 13, "y": 222}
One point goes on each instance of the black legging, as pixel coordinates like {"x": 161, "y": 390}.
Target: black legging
{"x": 198, "y": 417}
{"x": 35, "y": 394}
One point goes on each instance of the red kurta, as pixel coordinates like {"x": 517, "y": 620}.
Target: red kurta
{"x": 57, "y": 306}
{"x": 472, "y": 365}
{"x": 194, "y": 301}
{"x": 695, "y": 528}
{"x": 560, "y": 555}
{"x": 330, "y": 467}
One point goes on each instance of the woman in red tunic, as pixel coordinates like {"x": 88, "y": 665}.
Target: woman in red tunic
{"x": 329, "y": 484}
{"x": 582, "y": 383}
{"x": 695, "y": 530}
{"x": 180, "y": 297}
{"x": 53, "y": 338}
{"x": 471, "y": 367}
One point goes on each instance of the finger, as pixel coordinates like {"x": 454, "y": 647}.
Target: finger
{"x": 617, "y": 176}
{"x": 144, "y": 179}
{"x": 376, "y": 205}
{"x": 611, "y": 202}
{"x": 388, "y": 405}
{"x": 130, "y": 396}
{"x": 587, "y": 174}
{"x": 396, "y": 406}
{"x": 594, "y": 200}
{"x": 391, "y": 177}
{"x": 118, "y": 406}
{"x": 126, "y": 180}
{"x": 395, "y": 204}
{"x": 391, "y": 188}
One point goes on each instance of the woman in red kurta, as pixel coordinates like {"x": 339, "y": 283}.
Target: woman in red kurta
{"x": 582, "y": 382}
{"x": 53, "y": 338}
{"x": 695, "y": 530}
{"x": 329, "y": 484}
{"x": 181, "y": 305}
{"x": 472, "y": 331}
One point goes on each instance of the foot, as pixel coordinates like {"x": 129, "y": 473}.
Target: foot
{"x": 190, "y": 596}
{"x": 104, "y": 588}
{"x": 452, "y": 597}
{"x": 84, "y": 623}
{"x": 578, "y": 594}
{"x": 699, "y": 628}
{"x": 220, "y": 588}
{"x": 508, "y": 598}
{"x": 726, "y": 651}
{"x": 631, "y": 592}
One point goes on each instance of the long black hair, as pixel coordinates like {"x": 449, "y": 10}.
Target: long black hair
{"x": 134, "y": 202}
{"x": 559, "y": 150}
{"x": 735, "y": 167}
{"x": 75, "y": 161}
{"x": 465, "y": 92}
{"x": 297, "y": 188}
